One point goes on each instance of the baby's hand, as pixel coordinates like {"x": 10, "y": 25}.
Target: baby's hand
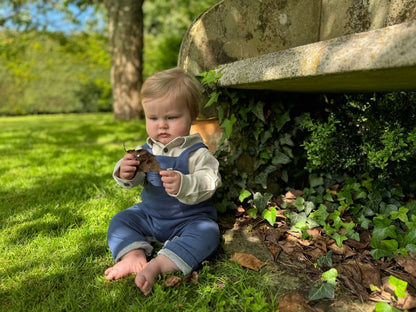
{"x": 128, "y": 167}
{"x": 171, "y": 181}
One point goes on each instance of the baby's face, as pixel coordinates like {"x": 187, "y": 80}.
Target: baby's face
{"x": 166, "y": 118}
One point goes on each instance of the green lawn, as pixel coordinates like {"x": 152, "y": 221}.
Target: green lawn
{"x": 57, "y": 198}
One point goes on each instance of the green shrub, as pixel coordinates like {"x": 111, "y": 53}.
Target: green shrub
{"x": 364, "y": 133}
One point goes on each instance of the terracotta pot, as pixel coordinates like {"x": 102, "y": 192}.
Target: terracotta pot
{"x": 210, "y": 131}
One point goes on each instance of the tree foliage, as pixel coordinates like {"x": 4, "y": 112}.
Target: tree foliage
{"x": 54, "y": 73}
{"x": 25, "y": 72}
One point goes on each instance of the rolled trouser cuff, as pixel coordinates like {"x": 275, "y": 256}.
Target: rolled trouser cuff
{"x": 178, "y": 261}
{"x": 147, "y": 248}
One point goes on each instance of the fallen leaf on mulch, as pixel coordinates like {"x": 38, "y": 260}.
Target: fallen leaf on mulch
{"x": 274, "y": 251}
{"x": 358, "y": 276}
{"x": 291, "y": 196}
{"x": 172, "y": 281}
{"x": 408, "y": 264}
{"x": 193, "y": 278}
{"x": 175, "y": 281}
{"x": 294, "y": 302}
{"x": 344, "y": 250}
{"x": 248, "y": 260}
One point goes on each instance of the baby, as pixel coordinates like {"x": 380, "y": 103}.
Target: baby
{"x": 176, "y": 208}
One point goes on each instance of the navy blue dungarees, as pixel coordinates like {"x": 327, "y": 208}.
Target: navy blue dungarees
{"x": 190, "y": 232}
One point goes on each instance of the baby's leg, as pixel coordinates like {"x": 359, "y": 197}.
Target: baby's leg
{"x": 132, "y": 262}
{"x": 146, "y": 278}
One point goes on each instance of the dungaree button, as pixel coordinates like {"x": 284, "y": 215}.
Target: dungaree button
{"x": 165, "y": 150}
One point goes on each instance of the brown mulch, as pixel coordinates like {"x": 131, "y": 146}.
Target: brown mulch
{"x": 364, "y": 277}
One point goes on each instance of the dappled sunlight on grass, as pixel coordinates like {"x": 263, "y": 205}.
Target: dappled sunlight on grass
{"x": 57, "y": 198}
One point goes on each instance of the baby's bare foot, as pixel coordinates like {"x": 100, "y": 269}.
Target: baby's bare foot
{"x": 146, "y": 278}
{"x": 132, "y": 262}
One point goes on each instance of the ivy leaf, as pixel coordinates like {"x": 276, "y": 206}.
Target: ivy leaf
{"x": 354, "y": 235}
{"x": 264, "y": 155}
{"x": 361, "y": 194}
{"x": 320, "y": 215}
{"x": 381, "y": 221}
{"x": 345, "y": 194}
{"x": 328, "y": 196}
{"x": 299, "y": 203}
{"x": 401, "y": 214}
{"x": 339, "y": 238}
{"x": 270, "y": 215}
{"x": 252, "y": 212}
{"x": 227, "y": 125}
{"x": 385, "y": 248}
{"x": 285, "y": 139}
{"x": 260, "y": 200}
{"x": 411, "y": 248}
{"x": 321, "y": 291}
{"x": 349, "y": 226}
{"x": 281, "y": 120}
{"x": 330, "y": 276}
{"x": 385, "y": 307}
{"x": 325, "y": 260}
{"x": 258, "y": 111}
{"x": 210, "y": 77}
{"x": 280, "y": 159}
{"x": 380, "y": 253}
{"x": 284, "y": 176}
{"x": 364, "y": 221}
{"x": 262, "y": 177}
{"x": 400, "y": 286}
{"x": 309, "y": 206}
{"x": 315, "y": 181}
{"x": 409, "y": 236}
{"x": 243, "y": 195}
{"x": 387, "y": 209}
{"x": 296, "y": 218}
{"x": 212, "y": 99}
{"x": 380, "y": 233}
{"x": 390, "y": 244}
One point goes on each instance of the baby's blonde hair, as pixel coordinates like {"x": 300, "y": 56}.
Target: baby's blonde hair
{"x": 176, "y": 83}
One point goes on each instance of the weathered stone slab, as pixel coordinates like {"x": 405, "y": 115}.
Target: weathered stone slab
{"x": 382, "y": 59}
{"x": 306, "y": 45}
{"x": 345, "y": 17}
{"x": 237, "y": 29}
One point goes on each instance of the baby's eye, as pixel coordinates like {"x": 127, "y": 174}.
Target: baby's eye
{"x": 172, "y": 117}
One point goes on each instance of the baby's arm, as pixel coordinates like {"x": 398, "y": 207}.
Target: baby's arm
{"x": 125, "y": 172}
{"x": 203, "y": 178}
{"x": 171, "y": 181}
{"x": 128, "y": 167}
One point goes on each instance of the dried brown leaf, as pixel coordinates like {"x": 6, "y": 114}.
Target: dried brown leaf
{"x": 315, "y": 253}
{"x": 148, "y": 161}
{"x": 294, "y": 302}
{"x": 248, "y": 260}
{"x": 193, "y": 278}
{"x": 408, "y": 264}
{"x": 291, "y": 196}
{"x": 172, "y": 281}
{"x": 344, "y": 250}
{"x": 274, "y": 251}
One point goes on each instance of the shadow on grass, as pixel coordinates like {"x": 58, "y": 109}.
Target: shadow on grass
{"x": 59, "y": 282}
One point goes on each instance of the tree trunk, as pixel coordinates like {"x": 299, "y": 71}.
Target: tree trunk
{"x": 125, "y": 22}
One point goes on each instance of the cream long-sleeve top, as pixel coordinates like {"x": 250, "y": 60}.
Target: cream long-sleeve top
{"x": 203, "y": 178}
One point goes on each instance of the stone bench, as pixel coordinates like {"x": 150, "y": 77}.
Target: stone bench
{"x": 306, "y": 45}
